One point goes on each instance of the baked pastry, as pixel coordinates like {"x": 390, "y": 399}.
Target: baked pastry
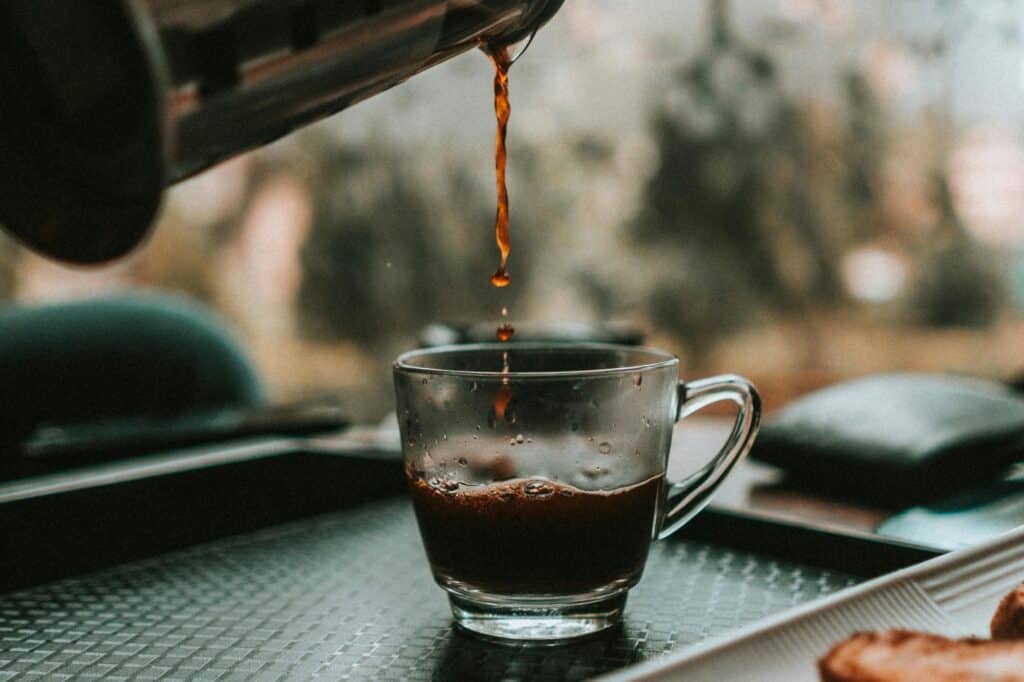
{"x": 1008, "y": 620}
{"x": 906, "y": 656}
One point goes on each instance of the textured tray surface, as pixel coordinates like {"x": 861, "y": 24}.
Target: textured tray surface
{"x": 349, "y": 596}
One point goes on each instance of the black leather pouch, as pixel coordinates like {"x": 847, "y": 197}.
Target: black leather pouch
{"x": 896, "y": 439}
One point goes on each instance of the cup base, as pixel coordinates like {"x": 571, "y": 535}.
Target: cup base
{"x": 536, "y": 622}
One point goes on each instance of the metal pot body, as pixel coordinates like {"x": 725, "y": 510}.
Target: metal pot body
{"x": 111, "y": 102}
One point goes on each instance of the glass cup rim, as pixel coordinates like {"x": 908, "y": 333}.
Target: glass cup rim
{"x": 403, "y": 363}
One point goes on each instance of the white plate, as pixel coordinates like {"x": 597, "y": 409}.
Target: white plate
{"x": 953, "y": 595}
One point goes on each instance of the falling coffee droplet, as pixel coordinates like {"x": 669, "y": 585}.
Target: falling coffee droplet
{"x": 505, "y": 332}
{"x": 638, "y": 379}
{"x": 500, "y": 404}
{"x": 519, "y": 438}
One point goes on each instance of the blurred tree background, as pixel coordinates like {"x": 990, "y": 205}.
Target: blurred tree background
{"x": 743, "y": 197}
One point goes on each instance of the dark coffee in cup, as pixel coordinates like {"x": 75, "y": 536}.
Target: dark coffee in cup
{"x": 535, "y": 536}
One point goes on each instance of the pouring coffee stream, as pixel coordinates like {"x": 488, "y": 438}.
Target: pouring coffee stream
{"x": 502, "y": 59}
{"x": 499, "y": 55}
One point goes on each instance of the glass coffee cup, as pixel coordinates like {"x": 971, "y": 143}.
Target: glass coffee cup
{"x": 538, "y": 490}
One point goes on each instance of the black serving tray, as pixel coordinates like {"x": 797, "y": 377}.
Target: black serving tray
{"x": 317, "y": 570}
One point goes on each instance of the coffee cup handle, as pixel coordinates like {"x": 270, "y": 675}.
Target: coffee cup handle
{"x": 689, "y": 496}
